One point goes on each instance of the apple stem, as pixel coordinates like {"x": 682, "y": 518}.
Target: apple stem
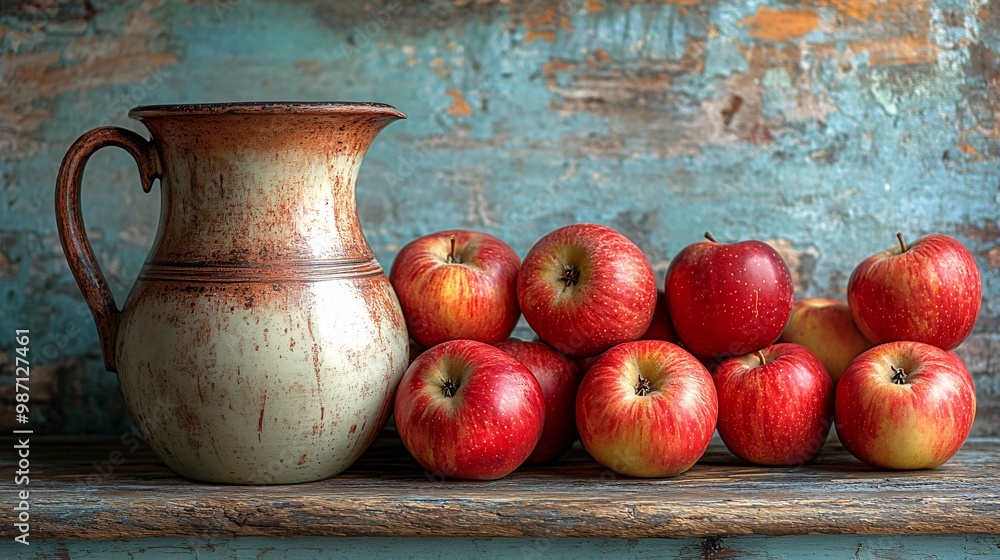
{"x": 709, "y": 237}
{"x": 450, "y": 387}
{"x": 760, "y": 356}
{"x": 898, "y": 375}
{"x": 902, "y": 245}
{"x": 451, "y": 254}
{"x": 571, "y": 275}
{"x": 643, "y": 387}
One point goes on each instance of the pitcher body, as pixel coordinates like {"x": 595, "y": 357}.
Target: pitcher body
{"x": 262, "y": 342}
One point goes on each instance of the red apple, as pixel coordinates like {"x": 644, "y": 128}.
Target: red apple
{"x": 905, "y": 405}
{"x": 826, "y": 328}
{"x": 661, "y": 327}
{"x": 728, "y": 299}
{"x": 558, "y": 377}
{"x": 646, "y": 408}
{"x": 584, "y": 288}
{"x": 775, "y": 405}
{"x": 457, "y": 284}
{"x": 465, "y": 409}
{"x": 928, "y": 292}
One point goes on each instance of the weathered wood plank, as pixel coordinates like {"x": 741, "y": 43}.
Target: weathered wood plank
{"x": 80, "y": 493}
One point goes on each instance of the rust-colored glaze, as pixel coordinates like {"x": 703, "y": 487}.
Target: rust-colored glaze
{"x": 261, "y": 325}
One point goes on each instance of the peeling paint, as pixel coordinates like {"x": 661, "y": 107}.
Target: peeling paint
{"x": 780, "y": 25}
{"x": 87, "y": 63}
{"x": 892, "y": 52}
{"x": 865, "y": 10}
{"x": 542, "y": 22}
{"x": 993, "y": 257}
{"x": 459, "y": 106}
{"x": 967, "y": 149}
{"x": 827, "y": 129}
{"x": 7, "y": 268}
{"x": 986, "y": 232}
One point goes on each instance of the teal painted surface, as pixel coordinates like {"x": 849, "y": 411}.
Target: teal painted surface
{"x": 817, "y": 547}
{"x": 855, "y": 121}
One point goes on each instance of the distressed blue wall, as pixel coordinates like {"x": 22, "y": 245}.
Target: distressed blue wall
{"x": 824, "y": 126}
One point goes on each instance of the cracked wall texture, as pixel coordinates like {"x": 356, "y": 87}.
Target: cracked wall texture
{"x": 823, "y": 126}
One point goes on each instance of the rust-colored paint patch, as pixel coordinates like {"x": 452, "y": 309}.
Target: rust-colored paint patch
{"x": 593, "y": 6}
{"x": 459, "y": 106}
{"x": 993, "y": 257}
{"x": 564, "y": 24}
{"x": 601, "y": 85}
{"x": 988, "y": 232}
{"x": 780, "y": 25}
{"x": 540, "y": 25}
{"x": 7, "y": 268}
{"x": 601, "y": 56}
{"x": 863, "y": 10}
{"x": 549, "y": 36}
{"x": 556, "y": 65}
{"x": 894, "y": 52}
{"x": 967, "y": 149}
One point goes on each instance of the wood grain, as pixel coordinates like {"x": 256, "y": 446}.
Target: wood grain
{"x": 79, "y": 492}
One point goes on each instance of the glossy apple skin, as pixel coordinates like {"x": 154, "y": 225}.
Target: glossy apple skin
{"x": 931, "y": 293}
{"x": 487, "y": 428}
{"x": 612, "y": 302}
{"x": 661, "y": 327}
{"x": 473, "y": 298}
{"x": 659, "y": 434}
{"x": 728, "y": 299}
{"x": 826, "y": 328}
{"x": 778, "y": 413}
{"x": 559, "y": 378}
{"x": 917, "y": 425}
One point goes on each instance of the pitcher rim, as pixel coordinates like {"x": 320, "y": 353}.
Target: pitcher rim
{"x": 267, "y": 108}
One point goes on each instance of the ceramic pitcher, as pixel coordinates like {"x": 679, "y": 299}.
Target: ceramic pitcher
{"x": 262, "y": 342}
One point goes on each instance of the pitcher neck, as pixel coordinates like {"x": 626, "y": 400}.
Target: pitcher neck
{"x": 252, "y": 187}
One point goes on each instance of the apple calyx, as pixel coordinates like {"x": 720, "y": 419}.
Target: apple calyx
{"x": 898, "y": 375}
{"x": 452, "y": 257}
{"x": 643, "y": 388}
{"x": 902, "y": 245}
{"x": 570, "y": 276}
{"x": 709, "y": 237}
{"x": 450, "y": 387}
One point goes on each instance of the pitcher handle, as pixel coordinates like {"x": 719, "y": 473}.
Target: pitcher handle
{"x": 73, "y": 235}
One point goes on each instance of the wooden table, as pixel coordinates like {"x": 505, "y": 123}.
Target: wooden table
{"x": 99, "y": 489}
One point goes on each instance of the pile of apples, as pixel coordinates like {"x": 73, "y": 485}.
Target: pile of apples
{"x": 627, "y": 368}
